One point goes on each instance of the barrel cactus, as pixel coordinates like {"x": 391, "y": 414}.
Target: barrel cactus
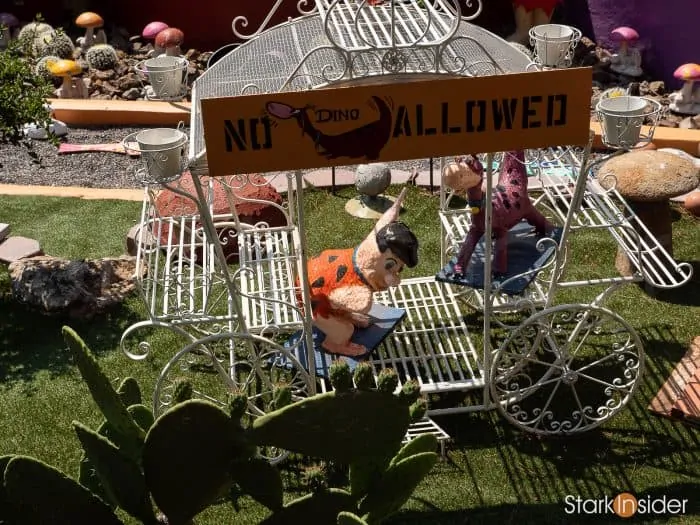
{"x": 40, "y": 68}
{"x": 30, "y": 33}
{"x": 101, "y": 57}
{"x": 55, "y": 43}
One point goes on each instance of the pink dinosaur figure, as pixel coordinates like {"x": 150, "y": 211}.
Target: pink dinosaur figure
{"x": 511, "y": 204}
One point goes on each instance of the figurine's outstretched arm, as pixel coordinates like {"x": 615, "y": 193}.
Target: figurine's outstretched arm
{"x": 390, "y": 215}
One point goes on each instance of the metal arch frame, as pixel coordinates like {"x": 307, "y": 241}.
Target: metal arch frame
{"x": 603, "y": 211}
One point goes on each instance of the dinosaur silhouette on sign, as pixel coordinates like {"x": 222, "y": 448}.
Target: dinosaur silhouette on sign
{"x": 365, "y": 142}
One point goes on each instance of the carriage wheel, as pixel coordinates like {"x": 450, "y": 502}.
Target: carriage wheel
{"x": 219, "y": 365}
{"x": 566, "y": 370}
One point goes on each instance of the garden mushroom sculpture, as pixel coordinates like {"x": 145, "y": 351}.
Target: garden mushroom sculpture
{"x": 687, "y": 100}
{"x": 647, "y": 179}
{"x": 90, "y": 21}
{"x": 151, "y": 31}
{"x": 67, "y": 69}
{"x": 628, "y": 59}
{"x": 170, "y": 39}
{"x": 8, "y": 22}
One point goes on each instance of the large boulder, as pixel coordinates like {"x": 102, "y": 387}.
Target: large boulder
{"x": 253, "y": 197}
{"x": 79, "y": 289}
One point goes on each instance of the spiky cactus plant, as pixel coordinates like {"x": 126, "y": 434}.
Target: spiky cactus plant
{"x": 41, "y": 70}
{"x": 30, "y": 33}
{"x": 101, "y": 57}
{"x": 55, "y": 43}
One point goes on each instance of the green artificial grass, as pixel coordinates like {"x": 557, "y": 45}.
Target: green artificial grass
{"x": 493, "y": 473}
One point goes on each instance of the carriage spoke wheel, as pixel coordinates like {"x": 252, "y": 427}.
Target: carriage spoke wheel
{"x": 217, "y": 366}
{"x": 566, "y": 370}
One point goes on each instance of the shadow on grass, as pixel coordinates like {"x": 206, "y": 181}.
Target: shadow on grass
{"x": 566, "y": 512}
{"x": 686, "y": 295}
{"x": 31, "y": 342}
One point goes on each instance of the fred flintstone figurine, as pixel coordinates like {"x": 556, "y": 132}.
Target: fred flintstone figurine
{"x": 343, "y": 281}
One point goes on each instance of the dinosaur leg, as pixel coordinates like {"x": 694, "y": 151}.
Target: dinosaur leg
{"x": 539, "y": 221}
{"x": 500, "y": 257}
{"x": 467, "y": 249}
{"x": 523, "y": 23}
{"x": 338, "y": 332}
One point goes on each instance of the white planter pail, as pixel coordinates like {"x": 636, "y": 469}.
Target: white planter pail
{"x": 162, "y": 149}
{"x": 621, "y": 119}
{"x": 552, "y": 43}
{"x": 166, "y": 75}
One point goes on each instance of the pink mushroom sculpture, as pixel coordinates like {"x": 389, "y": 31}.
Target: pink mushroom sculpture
{"x": 627, "y": 60}
{"x": 687, "y": 100}
{"x": 8, "y": 22}
{"x": 151, "y": 31}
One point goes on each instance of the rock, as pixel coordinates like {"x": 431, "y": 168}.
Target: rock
{"x": 690, "y": 122}
{"x": 132, "y": 94}
{"x": 79, "y": 289}
{"x": 372, "y": 179}
{"x": 15, "y": 248}
{"x": 170, "y": 204}
{"x": 135, "y": 236}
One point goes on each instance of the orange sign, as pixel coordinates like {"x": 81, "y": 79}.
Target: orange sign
{"x": 397, "y": 121}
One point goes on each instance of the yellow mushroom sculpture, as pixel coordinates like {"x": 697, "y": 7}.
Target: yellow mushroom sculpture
{"x": 66, "y": 70}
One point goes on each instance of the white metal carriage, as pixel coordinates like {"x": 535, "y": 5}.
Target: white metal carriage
{"x": 553, "y": 368}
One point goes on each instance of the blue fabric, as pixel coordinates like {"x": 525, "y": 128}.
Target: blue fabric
{"x": 523, "y": 256}
{"x": 385, "y": 320}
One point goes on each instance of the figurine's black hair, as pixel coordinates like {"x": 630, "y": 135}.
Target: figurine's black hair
{"x": 400, "y": 240}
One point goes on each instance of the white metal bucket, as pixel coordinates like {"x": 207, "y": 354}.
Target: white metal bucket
{"x": 166, "y": 75}
{"x": 163, "y": 151}
{"x": 621, "y": 119}
{"x": 552, "y": 43}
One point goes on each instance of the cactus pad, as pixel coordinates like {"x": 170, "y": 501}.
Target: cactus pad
{"x": 4, "y": 503}
{"x": 237, "y": 405}
{"x": 104, "y": 395}
{"x": 348, "y": 518}
{"x": 183, "y": 387}
{"x": 340, "y": 376}
{"x": 422, "y": 443}
{"x": 42, "y": 494}
{"x": 188, "y": 451}
{"x": 387, "y": 380}
{"x": 259, "y": 480}
{"x": 130, "y": 392}
{"x": 418, "y": 410}
{"x": 119, "y": 475}
{"x": 336, "y": 426}
{"x": 319, "y": 507}
{"x": 396, "y": 486}
{"x": 410, "y": 391}
{"x": 281, "y": 396}
{"x": 364, "y": 376}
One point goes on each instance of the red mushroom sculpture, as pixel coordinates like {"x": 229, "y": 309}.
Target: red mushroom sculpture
{"x": 687, "y": 100}
{"x": 628, "y": 59}
{"x": 170, "y": 39}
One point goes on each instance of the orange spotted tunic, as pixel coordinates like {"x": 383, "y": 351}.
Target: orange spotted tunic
{"x": 330, "y": 270}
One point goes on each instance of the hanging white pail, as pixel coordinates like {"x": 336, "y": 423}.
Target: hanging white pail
{"x": 162, "y": 149}
{"x": 166, "y": 75}
{"x": 621, "y": 119}
{"x": 552, "y": 43}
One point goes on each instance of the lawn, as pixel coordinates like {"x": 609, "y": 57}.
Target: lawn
{"x": 492, "y": 472}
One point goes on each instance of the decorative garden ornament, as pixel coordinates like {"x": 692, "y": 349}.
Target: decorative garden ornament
{"x": 343, "y": 281}
{"x": 628, "y": 59}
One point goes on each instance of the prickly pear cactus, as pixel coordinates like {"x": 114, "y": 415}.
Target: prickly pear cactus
{"x": 101, "y": 57}
{"x": 364, "y": 376}
{"x": 120, "y": 476}
{"x": 337, "y": 426}
{"x": 130, "y": 392}
{"x": 340, "y": 376}
{"x": 189, "y": 451}
{"x": 259, "y": 480}
{"x": 320, "y": 507}
{"x": 4, "y": 502}
{"x": 103, "y": 393}
{"x": 41, "y": 494}
{"x": 348, "y": 518}
{"x": 183, "y": 388}
{"x": 387, "y": 381}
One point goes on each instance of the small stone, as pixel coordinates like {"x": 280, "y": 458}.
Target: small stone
{"x": 16, "y": 248}
{"x": 128, "y": 81}
{"x": 690, "y": 123}
{"x": 107, "y": 74}
{"x": 132, "y": 94}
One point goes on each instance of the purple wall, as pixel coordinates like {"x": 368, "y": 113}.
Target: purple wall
{"x": 669, "y": 30}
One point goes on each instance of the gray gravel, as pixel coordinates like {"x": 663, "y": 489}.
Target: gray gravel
{"x": 91, "y": 170}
